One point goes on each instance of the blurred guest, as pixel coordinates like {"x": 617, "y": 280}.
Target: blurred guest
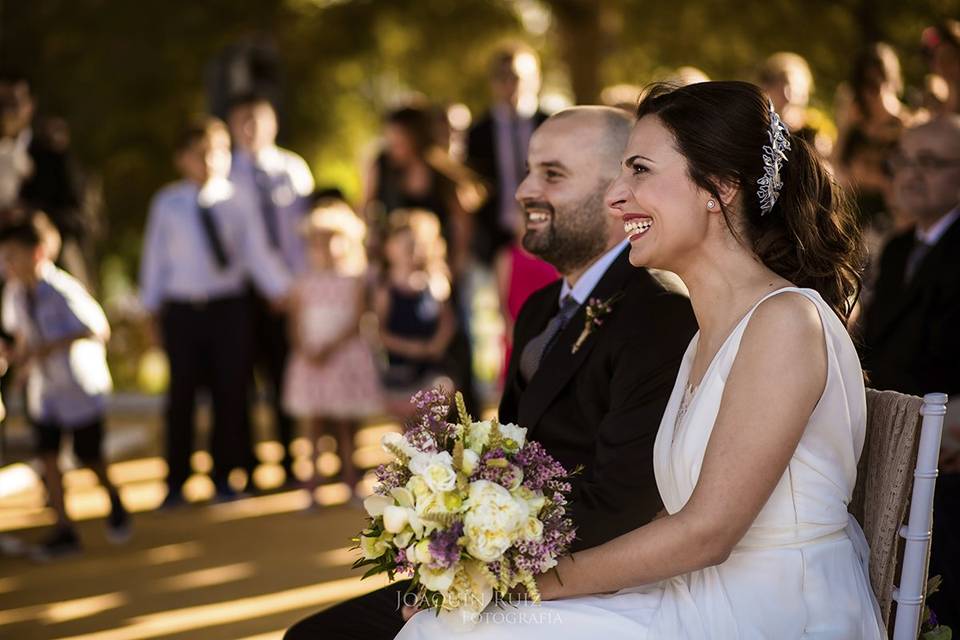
{"x": 411, "y": 175}
{"x": 331, "y": 379}
{"x": 204, "y": 241}
{"x": 37, "y": 169}
{"x": 279, "y": 184}
{"x": 787, "y": 80}
{"x": 61, "y": 334}
{"x": 413, "y": 305}
{"x": 497, "y": 146}
{"x": 870, "y": 119}
{"x": 407, "y": 175}
{"x": 910, "y": 339}
{"x": 941, "y": 43}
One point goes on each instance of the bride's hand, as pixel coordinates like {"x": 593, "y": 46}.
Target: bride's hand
{"x": 408, "y": 612}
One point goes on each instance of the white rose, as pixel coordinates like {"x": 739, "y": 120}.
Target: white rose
{"x": 470, "y": 461}
{"x": 533, "y": 530}
{"x": 418, "y": 487}
{"x": 492, "y": 521}
{"x": 512, "y": 432}
{"x": 436, "y": 470}
{"x": 534, "y": 499}
{"x": 485, "y": 544}
{"x": 436, "y": 579}
{"x": 478, "y": 435}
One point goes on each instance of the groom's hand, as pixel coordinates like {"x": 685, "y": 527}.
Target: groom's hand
{"x": 408, "y": 612}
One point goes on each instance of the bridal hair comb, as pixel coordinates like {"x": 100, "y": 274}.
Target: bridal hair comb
{"x": 774, "y": 156}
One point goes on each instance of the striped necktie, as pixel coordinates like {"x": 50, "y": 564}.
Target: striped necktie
{"x": 540, "y": 344}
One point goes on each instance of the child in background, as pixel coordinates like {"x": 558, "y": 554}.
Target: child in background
{"x": 417, "y": 321}
{"x": 61, "y": 334}
{"x": 331, "y": 379}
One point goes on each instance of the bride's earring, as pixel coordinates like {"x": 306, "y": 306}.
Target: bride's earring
{"x": 711, "y": 204}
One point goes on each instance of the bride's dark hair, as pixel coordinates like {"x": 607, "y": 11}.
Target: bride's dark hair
{"x": 811, "y": 236}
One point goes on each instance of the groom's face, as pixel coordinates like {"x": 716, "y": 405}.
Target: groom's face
{"x": 562, "y": 194}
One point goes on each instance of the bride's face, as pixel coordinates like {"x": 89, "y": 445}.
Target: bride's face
{"x": 664, "y": 212}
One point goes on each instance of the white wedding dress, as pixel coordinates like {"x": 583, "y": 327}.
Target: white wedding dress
{"x": 799, "y": 572}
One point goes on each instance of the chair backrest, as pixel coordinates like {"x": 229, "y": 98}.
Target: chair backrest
{"x": 884, "y": 483}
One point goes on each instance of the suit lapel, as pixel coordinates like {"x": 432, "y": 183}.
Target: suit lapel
{"x": 929, "y": 265}
{"x": 560, "y": 363}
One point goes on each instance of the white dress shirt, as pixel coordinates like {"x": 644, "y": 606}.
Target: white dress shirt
{"x": 178, "y": 263}
{"x": 932, "y": 235}
{"x": 588, "y": 281}
{"x": 68, "y": 387}
{"x": 291, "y": 185}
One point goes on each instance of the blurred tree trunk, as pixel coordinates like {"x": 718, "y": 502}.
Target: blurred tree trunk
{"x": 587, "y": 30}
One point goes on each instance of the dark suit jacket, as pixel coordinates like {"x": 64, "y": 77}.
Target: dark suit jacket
{"x": 55, "y": 187}
{"x": 482, "y": 158}
{"x": 911, "y": 333}
{"x": 601, "y": 407}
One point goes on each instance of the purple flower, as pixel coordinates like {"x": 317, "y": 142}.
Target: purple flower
{"x": 445, "y": 546}
{"x": 389, "y": 477}
{"x": 495, "y": 467}
{"x": 540, "y": 470}
{"x": 428, "y": 429}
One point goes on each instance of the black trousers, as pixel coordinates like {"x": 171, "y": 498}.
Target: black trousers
{"x": 374, "y": 616}
{"x": 208, "y": 345}
{"x": 945, "y": 549}
{"x": 271, "y": 351}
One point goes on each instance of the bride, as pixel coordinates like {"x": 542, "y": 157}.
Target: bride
{"x": 757, "y": 451}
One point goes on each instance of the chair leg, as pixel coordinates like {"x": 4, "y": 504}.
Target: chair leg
{"x": 916, "y": 553}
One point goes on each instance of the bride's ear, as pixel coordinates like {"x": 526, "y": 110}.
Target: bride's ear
{"x": 728, "y": 192}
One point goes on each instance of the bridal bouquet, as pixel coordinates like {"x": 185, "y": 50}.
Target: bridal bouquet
{"x": 466, "y": 510}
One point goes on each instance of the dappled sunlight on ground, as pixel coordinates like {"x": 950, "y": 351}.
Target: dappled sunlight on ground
{"x": 243, "y": 570}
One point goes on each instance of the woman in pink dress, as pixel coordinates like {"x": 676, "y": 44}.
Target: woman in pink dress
{"x": 331, "y": 378}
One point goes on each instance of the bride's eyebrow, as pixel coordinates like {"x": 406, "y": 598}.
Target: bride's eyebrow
{"x": 629, "y": 161}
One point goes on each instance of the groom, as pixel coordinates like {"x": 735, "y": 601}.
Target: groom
{"x": 591, "y": 393}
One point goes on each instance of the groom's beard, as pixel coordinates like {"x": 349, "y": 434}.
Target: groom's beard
{"x": 575, "y": 235}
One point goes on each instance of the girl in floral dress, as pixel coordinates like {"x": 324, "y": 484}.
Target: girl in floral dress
{"x": 331, "y": 380}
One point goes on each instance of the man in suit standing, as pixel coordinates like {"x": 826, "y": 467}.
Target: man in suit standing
{"x": 278, "y": 184}
{"x": 497, "y": 147}
{"x": 36, "y": 168}
{"x": 911, "y": 331}
{"x": 595, "y": 401}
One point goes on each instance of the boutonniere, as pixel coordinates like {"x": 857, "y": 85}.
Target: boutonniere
{"x": 597, "y": 310}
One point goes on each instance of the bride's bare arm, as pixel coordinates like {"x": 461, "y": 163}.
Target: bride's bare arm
{"x": 773, "y": 387}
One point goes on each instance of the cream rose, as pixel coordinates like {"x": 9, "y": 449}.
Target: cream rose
{"x": 436, "y": 469}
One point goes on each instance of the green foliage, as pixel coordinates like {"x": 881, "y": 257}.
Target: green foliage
{"x": 126, "y": 74}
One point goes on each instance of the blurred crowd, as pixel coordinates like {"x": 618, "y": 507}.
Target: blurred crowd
{"x": 253, "y": 275}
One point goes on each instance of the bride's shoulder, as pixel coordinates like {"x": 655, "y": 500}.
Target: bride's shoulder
{"x": 786, "y": 327}
{"x": 785, "y": 316}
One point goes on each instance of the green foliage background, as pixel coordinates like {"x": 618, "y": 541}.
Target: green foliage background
{"x": 126, "y": 73}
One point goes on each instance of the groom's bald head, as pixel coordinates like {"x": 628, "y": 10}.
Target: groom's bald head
{"x": 605, "y": 129}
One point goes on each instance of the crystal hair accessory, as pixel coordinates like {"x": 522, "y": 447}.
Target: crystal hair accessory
{"x": 774, "y": 157}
